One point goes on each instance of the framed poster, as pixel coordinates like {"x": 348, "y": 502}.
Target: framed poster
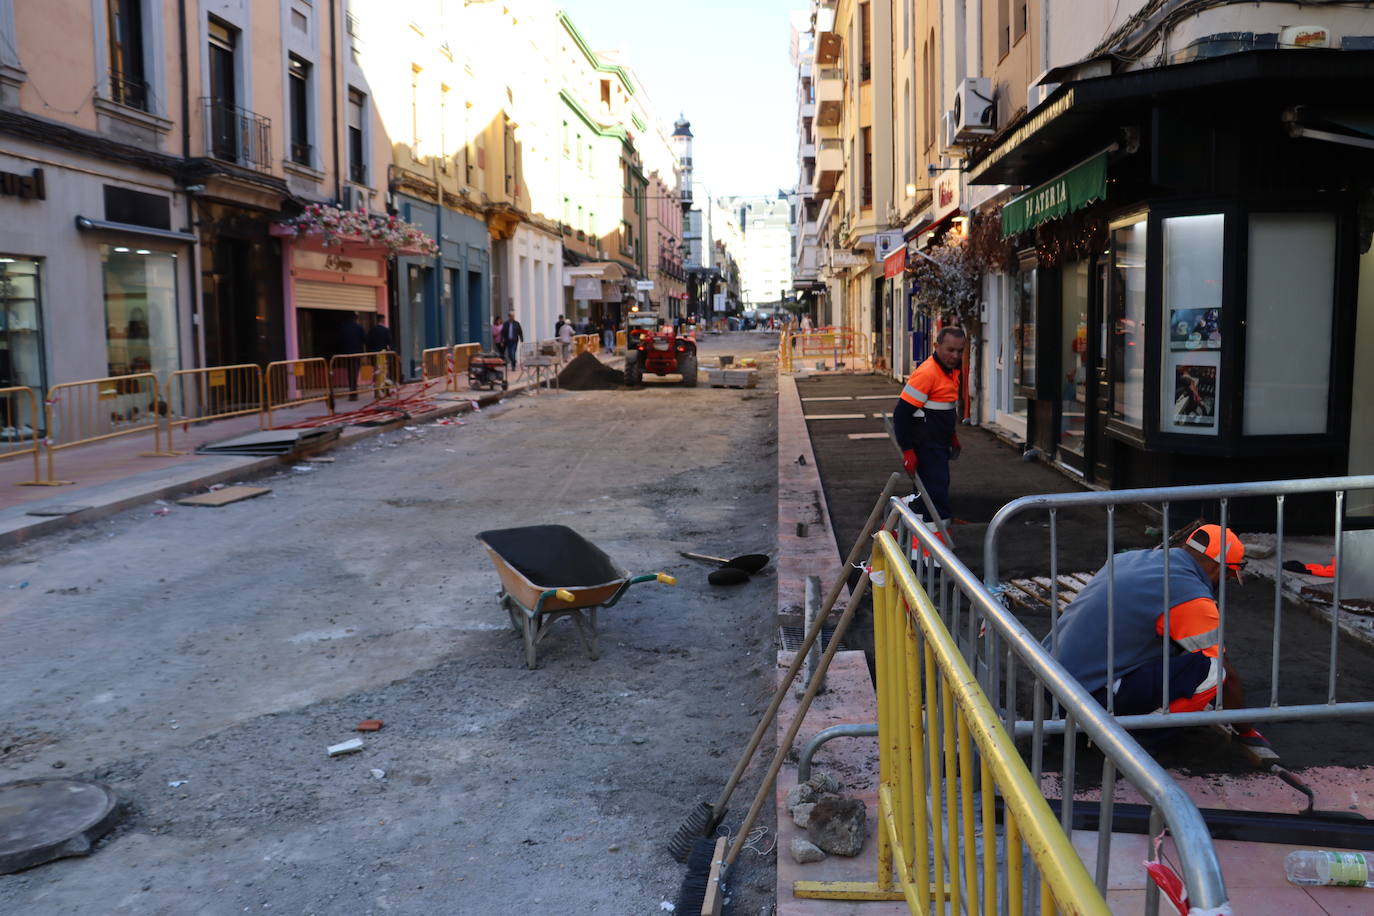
{"x": 1192, "y": 388}
{"x": 1195, "y": 329}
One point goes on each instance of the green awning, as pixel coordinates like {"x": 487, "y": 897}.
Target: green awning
{"x": 1069, "y": 191}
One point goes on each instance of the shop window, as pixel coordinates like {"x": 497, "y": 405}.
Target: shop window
{"x": 21, "y": 343}
{"x": 1073, "y": 366}
{"x": 1127, "y": 311}
{"x": 1287, "y": 347}
{"x": 1023, "y": 294}
{"x": 1190, "y": 378}
{"x": 140, "y": 309}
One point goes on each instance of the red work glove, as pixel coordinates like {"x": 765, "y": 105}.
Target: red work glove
{"x": 909, "y": 461}
{"x": 954, "y": 447}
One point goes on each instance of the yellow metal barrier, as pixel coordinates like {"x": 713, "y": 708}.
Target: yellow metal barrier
{"x": 19, "y": 421}
{"x": 353, "y": 374}
{"x": 437, "y": 363}
{"x": 462, "y": 358}
{"x": 293, "y": 382}
{"x": 942, "y": 752}
{"x": 93, "y": 410}
{"x": 843, "y": 347}
{"x": 620, "y": 341}
{"x": 214, "y": 393}
{"x": 586, "y": 343}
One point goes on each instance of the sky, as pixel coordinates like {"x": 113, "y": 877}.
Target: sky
{"x": 725, "y": 65}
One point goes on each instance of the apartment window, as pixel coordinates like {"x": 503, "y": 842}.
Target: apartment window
{"x": 606, "y": 94}
{"x": 357, "y": 150}
{"x": 512, "y": 185}
{"x": 566, "y": 151}
{"x": 299, "y": 79}
{"x": 567, "y": 212}
{"x": 579, "y": 149}
{"x": 866, "y": 37}
{"x": 443, "y": 126}
{"x": 1019, "y": 19}
{"x": 591, "y": 161}
{"x": 930, "y": 88}
{"x": 1003, "y": 27}
{"x": 125, "y": 24}
{"x": 866, "y": 195}
{"x": 222, "y": 51}
{"x": 907, "y": 143}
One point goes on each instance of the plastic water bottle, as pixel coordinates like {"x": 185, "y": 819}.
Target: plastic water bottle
{"x": 1320, "y": 867}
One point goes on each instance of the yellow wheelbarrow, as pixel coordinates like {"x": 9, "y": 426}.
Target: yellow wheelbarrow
{"x": 551, "y": 571}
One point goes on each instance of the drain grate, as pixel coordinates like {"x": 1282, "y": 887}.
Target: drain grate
{"x": 792, "y": 638}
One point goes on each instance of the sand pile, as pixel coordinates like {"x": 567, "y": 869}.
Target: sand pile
{"x": 587, "y": 373}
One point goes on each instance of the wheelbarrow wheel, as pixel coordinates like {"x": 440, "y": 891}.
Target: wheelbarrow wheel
{"x": 516, "y": 615}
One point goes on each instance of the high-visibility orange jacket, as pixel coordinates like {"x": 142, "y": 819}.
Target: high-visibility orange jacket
{"x": 931, "y": 395}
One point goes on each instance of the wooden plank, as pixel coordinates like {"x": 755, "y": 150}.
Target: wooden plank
{"x": 868, "y": 435}
{"x": 1028, "y": 587}
{"x": 223, "y": 497}
{"x": 836, "y": 416}
{"x": 844, "y": 397}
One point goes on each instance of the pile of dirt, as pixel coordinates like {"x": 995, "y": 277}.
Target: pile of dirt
{"x": 587, "y": 373}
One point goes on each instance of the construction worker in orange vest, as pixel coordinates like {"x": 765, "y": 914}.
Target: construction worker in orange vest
{"x": 1196, "y": 669}
{"x": 926, "y": 419}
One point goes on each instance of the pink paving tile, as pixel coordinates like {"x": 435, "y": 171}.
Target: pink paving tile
{"x": 1343, "y": 901}
{"x": 1274, "y": 901}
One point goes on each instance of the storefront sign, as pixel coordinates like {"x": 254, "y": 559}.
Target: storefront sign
{"x": 946, "y": 194}
{"x": 1072, "y": 190}
{"x": 847, "y": 259}
{"x": 586, "y": 288}
{"x": 895, "y": 263}
{"x": 335, "y": 263}
{"x": 644, "y": 285}
{"x": 26, "y": 187}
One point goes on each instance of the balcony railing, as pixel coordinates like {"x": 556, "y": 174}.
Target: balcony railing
{"x": 235, "y": 135}
{"x": 130, "y": 93}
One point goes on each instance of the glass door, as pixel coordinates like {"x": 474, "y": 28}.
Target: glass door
{"x": 1099, "y": 454}
{"x": 1073, "y": 364}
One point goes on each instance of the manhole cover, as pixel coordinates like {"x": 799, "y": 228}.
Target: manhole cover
{"x": 46, "y": 819}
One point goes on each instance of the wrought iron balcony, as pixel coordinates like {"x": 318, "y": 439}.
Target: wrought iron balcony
{"x": 235, "y": 135}
{"x": 128, "y": 92}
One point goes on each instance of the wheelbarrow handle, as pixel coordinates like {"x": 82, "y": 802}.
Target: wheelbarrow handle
{"x": 563, "y": 594}
{"x": 666, "y": 579}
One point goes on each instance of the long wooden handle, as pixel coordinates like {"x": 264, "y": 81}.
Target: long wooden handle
{"x": 812, "y": 634}
{"x": 703, "y": 556}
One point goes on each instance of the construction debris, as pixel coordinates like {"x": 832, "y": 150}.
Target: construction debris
{"x": 587, "y": 373}
{"x": 224, "y": 496}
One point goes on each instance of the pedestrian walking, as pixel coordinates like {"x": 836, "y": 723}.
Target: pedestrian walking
{"x": 498, "y": 342}
{"x": 352, "y": 339}
{"x": 558, "y": 326}
{"x": 565, "y": 340}
{"x": 379, "y": 335}
{"x": 1122, "y": 613}
{"x": 806, "y": 324}
{"x": 511, "y": 335}
{"x": 608, "y": 334}
{"x": 926, "y": 420}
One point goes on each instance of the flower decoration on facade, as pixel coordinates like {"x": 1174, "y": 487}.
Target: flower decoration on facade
{"x": 949, "y": 283}
{"x": 336, "y": 225}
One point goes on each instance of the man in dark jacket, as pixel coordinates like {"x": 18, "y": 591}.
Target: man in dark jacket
{"x": 511, "y": 335}
{"x": 352, "y": 339}
{"x": 379, "y": 335}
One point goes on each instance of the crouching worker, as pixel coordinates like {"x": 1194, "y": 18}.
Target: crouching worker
{"x": 1196, "y": 672}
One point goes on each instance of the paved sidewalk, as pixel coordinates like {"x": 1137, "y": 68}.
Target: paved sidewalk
{"x": 114, "y": 475}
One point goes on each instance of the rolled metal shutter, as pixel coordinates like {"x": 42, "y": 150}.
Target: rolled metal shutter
{"x": 311, "y": 294}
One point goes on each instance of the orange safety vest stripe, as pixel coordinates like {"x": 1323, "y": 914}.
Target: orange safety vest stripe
{"x": 1193, "y": 625}
{"x": 929, "y": 382}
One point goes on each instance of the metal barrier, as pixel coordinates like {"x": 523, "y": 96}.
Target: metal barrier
{"x": 586, "y": 343}
{"x": 352, "y": 374}
{"x": 214, "y": 393}
{"x": 294, "y": 382}
{"x": 620, "y": 341}
{"x": 93, "y": 410}
{"x": 949, "y": 599}
{"x": 933, "y": 851}
{"x": 462, "y": 358}
{"x": 1222, "y": 494}
{"x": 437, "y": 363}
{"x": 18, "y": 422}
{"x": 841, "y": 347}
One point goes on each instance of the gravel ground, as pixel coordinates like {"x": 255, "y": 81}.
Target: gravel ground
{"x": 200, "y": 662}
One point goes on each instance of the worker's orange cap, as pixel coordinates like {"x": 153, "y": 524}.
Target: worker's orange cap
{"x": 1207, "y": 540}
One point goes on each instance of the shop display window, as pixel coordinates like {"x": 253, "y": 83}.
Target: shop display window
{"x": 1190, "y": 375}
{"x": 140, "y": 310}
{"x": 21, "y": 342}
{"x": 1073, "y": 355}
{"x": 1127, "y": 310}
{"x": 1024, "y": 333}
{"x": 1291, "y": 297}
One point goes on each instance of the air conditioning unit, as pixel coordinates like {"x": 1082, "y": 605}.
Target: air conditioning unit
{"x": 975, "y": 111}
{"x": 949, "y": 140}
{"x": 1036, "y": 93}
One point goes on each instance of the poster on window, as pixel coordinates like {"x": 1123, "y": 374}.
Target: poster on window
{"x": 1195, "y": 329}
{"x": 1195, "y": 395}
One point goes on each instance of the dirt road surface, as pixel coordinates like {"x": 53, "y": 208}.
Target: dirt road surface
{"x": 200, "y": 663}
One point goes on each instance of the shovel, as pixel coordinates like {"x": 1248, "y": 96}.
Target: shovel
{"x": 749, "y": 562}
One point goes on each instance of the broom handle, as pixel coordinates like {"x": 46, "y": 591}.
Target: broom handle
{"x": 802, "y": 709}
{"x": 812, "y": 634}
